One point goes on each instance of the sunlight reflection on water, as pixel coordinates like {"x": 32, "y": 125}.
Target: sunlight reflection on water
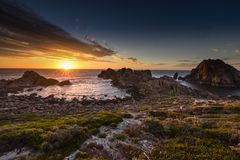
{"x": 84, "y": 83}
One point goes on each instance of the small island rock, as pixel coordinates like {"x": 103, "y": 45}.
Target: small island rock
{"x": 63, "y": 83}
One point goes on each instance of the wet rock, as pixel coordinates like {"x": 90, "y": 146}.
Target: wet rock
{"x": 175, "y": 76}
{"x": 63, "y": 83}
{"x": 181, "y": 78}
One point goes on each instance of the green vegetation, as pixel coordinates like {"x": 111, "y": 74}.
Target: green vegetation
{"x": 207, "y": 136}
{"x": 192, "y": 148}
{"x": 102, "y": 135}
{"x": 129, "y": 151}
{"x": 53, "y": 136}
{"x": 119, "y": 136}
{"x": 166, "y": 129}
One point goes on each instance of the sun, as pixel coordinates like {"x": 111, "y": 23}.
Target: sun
{"x": 66, "y": 65}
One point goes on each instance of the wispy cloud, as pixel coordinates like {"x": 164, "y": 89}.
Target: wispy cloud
{"x": 158, "y": 64}
{"x": 25, "y": 34}
{"x": 231, "y": 58}
{"x": 215, "y": 50}
{"x": 236, "y": 64}
{"x": 186, "y": 61}
{"x": 189, "y": 63}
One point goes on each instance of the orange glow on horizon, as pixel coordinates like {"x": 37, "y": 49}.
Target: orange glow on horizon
{"x": 65, "y": 64}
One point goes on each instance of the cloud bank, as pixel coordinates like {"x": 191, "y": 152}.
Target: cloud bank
{"x": 25, "y": 34}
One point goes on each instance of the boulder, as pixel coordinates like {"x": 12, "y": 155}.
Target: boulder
{"x": 214, "y": 73}
{"x": 63, "y": 83}
{"x": 175, "y": 76}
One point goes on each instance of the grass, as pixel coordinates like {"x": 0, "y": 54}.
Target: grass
{"x": 197, "y": 133}
{"x": 51, "y": 135}
{"x": 120, "y": 136}
{"x": 192, "y": 148}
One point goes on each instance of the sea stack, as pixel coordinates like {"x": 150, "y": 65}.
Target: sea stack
{"x": 215, "y": 73}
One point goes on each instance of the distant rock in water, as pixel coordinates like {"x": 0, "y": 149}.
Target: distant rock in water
{"x": 214, "y": 73}
{"x": 64, "y": 83}
{"x": 30, "y": 79}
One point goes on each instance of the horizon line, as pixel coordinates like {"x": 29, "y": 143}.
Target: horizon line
{"x": 93, "y": 69}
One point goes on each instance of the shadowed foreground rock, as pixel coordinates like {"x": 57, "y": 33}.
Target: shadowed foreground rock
{"x": 215, "y": 73}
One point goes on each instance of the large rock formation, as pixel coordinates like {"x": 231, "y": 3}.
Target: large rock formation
{"x": 29, "y": 79}
{"x": 215, "y": 73}
{"x": 141, "y": 83}
{"x": 126, "y": 77}
{"x": 32, "y": 79}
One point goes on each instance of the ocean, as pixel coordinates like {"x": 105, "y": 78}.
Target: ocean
{"x": 85, "y": 83}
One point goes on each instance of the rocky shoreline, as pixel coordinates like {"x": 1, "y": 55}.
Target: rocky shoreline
{"x": 29, "y": 79}
{"x": 34, "y": 104}
{"x": 139, "y": 84}
{"x": 161, "y": 120}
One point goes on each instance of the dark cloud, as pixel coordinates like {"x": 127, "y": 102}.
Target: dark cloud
{"x": 25, "y": 34}
{"x": 135, "y": 60}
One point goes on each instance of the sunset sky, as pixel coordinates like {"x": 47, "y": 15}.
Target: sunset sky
{"x": 140, "y": 34}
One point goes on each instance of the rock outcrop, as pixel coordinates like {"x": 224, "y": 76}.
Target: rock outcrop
{"x": 141, "y": 83}
{"x": 214, "y": 73}
{"x": 126, "y": 77}
{"x": 32, "y": 79}
{"x": 29, "y": 79}
{"x": 175, "y": 76}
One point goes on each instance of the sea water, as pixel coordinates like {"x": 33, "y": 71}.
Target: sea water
{"x": 85, "y": 83}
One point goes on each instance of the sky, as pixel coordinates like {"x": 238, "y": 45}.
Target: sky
{"x": 140, "y": 34}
